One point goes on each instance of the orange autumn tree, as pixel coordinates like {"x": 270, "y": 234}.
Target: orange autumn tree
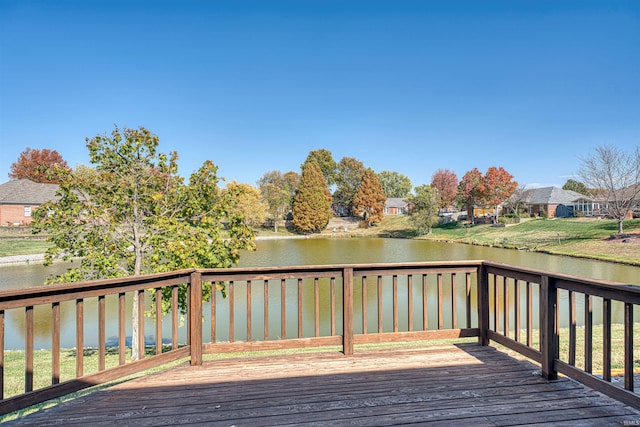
{"x": 497, "y": 186}
{"x": 446, "y": 182}
{"x": 42, "y": 166}
{"x": 470, "y": 191}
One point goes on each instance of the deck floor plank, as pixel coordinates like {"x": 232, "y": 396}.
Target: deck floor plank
{"x": 439, "y": 385}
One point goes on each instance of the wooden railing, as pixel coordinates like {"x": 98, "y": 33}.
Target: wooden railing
{"x": 306, "y": 306}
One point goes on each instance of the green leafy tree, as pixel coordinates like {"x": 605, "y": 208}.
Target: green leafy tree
{"x": 43, "y": 166}
{"x": 348, "y": 178}
{"x": 470, "y": 191}
{"x": 248, "y": 204}
{"x": 577, "y": 186}
{"x": 312, "y": 202}
{"x": 424, "y": 208}
{"x": 446, "y": 182}
{"x": 135, "y": 215}
{"x": 395, "y": 184}
{"x": 369, "y": 200}
{"x": 328, "y": 166}
{"x": 276, "y": 194}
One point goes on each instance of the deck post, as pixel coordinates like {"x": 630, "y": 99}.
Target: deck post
{"x": 483, "y": 305}
{"x": 347, "y": 311}
{"x": 548, "y": 327}
{"x": 195, "y": 318}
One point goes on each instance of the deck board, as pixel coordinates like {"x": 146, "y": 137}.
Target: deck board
{"x": 440, "y": 385}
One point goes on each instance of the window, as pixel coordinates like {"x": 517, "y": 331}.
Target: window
{"x": 27, "y": 211}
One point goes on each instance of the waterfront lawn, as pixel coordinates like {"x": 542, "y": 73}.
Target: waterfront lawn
{"x": 23, "y": 247}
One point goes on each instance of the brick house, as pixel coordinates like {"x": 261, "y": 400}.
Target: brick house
{"x": 396, "y": 206}
{"x": 558, "y": 203}
{"x": 20, "y": 198}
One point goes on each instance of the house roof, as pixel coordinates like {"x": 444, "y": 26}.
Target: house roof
{"x": 396, "y": 202}
{"x": 23, "y": 191}
{"x": 552, "y": 196}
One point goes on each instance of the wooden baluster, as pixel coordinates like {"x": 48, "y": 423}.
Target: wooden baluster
{"x": 174, "y": 314}
{"x": 364, "y": 305}
{"x": 380, "y": 325}
{"x": 468, "y": 299}
{"x": 529, "y": 314}
{"x": 454, "y": 309}
{"x": 266, "y": 309}
{"x": 300, "y": 330}
{"x": 496, "y": 304}
{"x": 122, "y": 330}
{"x": 141, "y": 343}
{"x": 505, "y": 307}
{"x": 425, "y": 304}
{"x": 440, "y": 301}
{"x": 55, "y": 343}
{"x": 102, "y": 334}
{"x": 232, "y": 312}
{"x": 395, "y": 303}
{"x": 588, "y": 333}
{"x": 158, "y": 321}
{"x": 283, "y": 305}
{"x": 628, "y": 346}
{"x": 516, "y": 309}
{"x": 606, "y": 337}
{"x": 316, "y": 305}
{"x": 28, "y": 370}
{"x": 347, "y": 316}
{"x": 333, "y": 306}
{"x": 410, "y": 301}
{"x": 214, "y": 317}
{"x": 572, "y": 328}
{"x": 248, "y": 310}
{"x": 79, "y": 338}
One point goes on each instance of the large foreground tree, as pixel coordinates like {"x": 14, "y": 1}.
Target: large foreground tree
{"x": 43, "y": 166}
{"x": 135, "y": 215}
{"x": 615, "y": 175}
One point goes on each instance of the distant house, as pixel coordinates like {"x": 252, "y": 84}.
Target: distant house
{"x": 558, "y": 203}
{"x": 20, "y": 198}
{"x": 396, "y": 206}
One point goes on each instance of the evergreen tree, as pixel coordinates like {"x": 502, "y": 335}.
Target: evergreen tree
{"x": 369, "y": 200}
{"x": 312, "y": 202}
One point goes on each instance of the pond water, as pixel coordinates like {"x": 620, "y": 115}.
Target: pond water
{"x": 289, "y": 252}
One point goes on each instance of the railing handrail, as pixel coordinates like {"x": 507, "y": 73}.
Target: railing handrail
{"x": 549, "y": 284}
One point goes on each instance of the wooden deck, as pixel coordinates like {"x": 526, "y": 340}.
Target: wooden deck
{"x": 440, "y": 385}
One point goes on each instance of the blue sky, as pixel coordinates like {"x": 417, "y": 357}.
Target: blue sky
{"x": 406, "y": 86}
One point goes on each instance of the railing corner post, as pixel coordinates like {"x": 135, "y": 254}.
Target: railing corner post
{"x": 483, "y": 305}
{"x": 195, "y": 318}
{"x": 548, "y": 327}
{"x": 347, "y": 311}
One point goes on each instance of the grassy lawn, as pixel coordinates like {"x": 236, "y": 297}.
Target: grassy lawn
{"x": 22, "y": 247}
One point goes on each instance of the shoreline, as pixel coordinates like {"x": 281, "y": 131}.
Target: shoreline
{"x": 21, "y": 259}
